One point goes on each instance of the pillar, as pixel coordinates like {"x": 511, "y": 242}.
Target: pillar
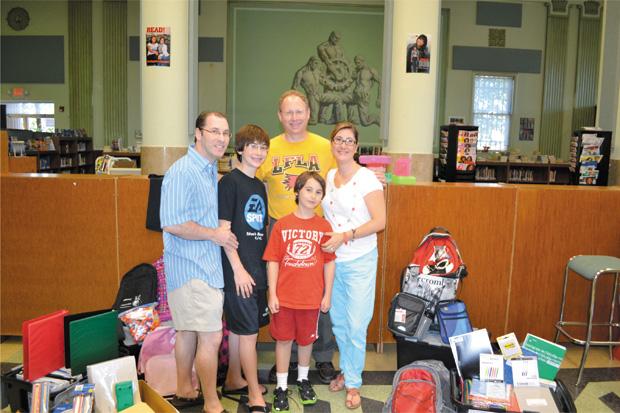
{"x": 412, "y": 96}
{"x": 608, "y": 106}
{"x": 165, "y": 90}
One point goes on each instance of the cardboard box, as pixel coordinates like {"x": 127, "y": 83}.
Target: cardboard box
{"x": 154, "y": 400}
{"x": 15, "y": 394}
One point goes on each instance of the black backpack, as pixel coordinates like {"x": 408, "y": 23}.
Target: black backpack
{"x": 138, "y": 287}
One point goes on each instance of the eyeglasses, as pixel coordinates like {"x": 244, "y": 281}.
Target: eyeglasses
{"x": 257, "y": 146}
{"x": 297, "y": 113}
{"x": 338, "y": 140}
{"x": 224, "y": 134}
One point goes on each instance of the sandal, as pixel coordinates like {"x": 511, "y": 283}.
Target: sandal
{"x": 262, "y": 409}
{"x": 354, "y": 399}
{"x": 243, "y": 391}
{"x": 337, "y": 384}
{"x": 185, "y": 402}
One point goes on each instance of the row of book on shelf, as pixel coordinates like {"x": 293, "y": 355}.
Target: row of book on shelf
{"x": 521, "y": 378}
{"x": 488, "y": 174}
{"x": 66, "y": 162}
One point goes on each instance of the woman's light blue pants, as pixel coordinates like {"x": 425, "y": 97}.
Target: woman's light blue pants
{"x": 353, "y": 302}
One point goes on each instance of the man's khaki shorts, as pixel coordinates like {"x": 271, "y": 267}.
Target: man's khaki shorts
{"x": 196, "y": 306}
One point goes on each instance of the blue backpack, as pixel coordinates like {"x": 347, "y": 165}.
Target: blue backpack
{"x": 453, "y": 319}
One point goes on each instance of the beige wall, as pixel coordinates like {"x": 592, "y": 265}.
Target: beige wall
{"x": 528, "y": 87}
{"x": 47, "y": 18}
{"x": 213, "y": 22}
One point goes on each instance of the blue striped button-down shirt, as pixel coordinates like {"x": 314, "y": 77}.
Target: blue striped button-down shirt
{"x": 189, "y": 193}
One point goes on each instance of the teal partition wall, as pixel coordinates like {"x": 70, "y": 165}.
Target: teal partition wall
{"x": 269, "y": 44}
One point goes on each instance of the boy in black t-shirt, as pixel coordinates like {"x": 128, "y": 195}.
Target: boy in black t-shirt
{"x": 243, "y": 206}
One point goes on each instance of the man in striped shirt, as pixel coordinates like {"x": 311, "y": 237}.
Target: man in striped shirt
{"x": 192, "y": 257}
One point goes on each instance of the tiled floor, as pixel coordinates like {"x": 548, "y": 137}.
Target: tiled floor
{"x": 600, "y": 394}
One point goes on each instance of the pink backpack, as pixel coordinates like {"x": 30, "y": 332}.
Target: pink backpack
{"x": 157, "y": 361}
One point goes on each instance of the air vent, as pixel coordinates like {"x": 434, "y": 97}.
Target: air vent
{"x": 591, "y": 8}
{"x": 559, "y": 8}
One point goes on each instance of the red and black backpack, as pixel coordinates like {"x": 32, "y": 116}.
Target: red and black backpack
{"x": 436, "y": 263}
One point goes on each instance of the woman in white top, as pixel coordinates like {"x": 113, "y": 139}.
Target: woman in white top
{"x": 355, "y": 207}
{"x": 163, "y": 50}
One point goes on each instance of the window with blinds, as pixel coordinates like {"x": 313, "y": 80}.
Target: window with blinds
{"x": 34, "y": 116}
{"x": 492, "y": 110}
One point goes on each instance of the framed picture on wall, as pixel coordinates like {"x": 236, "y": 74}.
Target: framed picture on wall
{"x": 526, "y": 129}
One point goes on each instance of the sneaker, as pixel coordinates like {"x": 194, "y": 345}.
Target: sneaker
{"x": 292, "y": 368}
{"x": 327, "y": 372}
{"x": 280, "y": 400}
{"x": 306, "y": 392}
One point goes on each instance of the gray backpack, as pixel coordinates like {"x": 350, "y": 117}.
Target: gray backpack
{"x": 421, "y": 386}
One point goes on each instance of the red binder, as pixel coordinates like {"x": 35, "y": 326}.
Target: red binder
{"x": 43, "y": 344}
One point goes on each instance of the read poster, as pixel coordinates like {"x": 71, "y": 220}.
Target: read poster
{"x": 158, "y": 46}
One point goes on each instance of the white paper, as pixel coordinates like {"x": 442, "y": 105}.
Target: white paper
{"x": 105, "y": 375}
{"x": 525, "y": 372}
{"x": 400, "y": 315}
{"x": 491, "y": 367}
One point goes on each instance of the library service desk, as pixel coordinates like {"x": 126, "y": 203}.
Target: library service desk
{"x": 68, "y": 240}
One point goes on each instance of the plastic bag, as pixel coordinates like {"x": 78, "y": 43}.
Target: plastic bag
{"x": 141, "y": 320}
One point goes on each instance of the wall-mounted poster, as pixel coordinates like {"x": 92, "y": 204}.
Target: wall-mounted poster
{"x": 158, "y": 46}
{"x": 418, "y": 53}
{"x": 526, "y": 129}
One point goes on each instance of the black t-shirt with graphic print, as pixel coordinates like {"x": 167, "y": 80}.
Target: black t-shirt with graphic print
{"x": 243, "y": 201}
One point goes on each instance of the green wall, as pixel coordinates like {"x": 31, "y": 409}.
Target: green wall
{"x": 271, "y": 43}
{"x": 47, "y": 18}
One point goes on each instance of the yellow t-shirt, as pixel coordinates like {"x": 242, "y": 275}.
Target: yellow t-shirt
{"x": 285, "y": 162}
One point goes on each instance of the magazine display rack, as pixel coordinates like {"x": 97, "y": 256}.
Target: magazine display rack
{"x": 589, "y": 157}
{"x": 457, "y": 153}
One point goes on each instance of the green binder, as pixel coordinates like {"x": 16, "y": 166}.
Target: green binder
{"x": 92, "y": 338}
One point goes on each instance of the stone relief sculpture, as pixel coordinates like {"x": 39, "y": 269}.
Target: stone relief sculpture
{"x": 336, "y": 89}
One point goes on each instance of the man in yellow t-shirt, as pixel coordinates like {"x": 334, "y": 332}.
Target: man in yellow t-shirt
{"x": 290, "y": 154}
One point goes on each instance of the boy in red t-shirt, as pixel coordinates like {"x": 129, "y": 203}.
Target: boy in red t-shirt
{"x": 300, "y": 277}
